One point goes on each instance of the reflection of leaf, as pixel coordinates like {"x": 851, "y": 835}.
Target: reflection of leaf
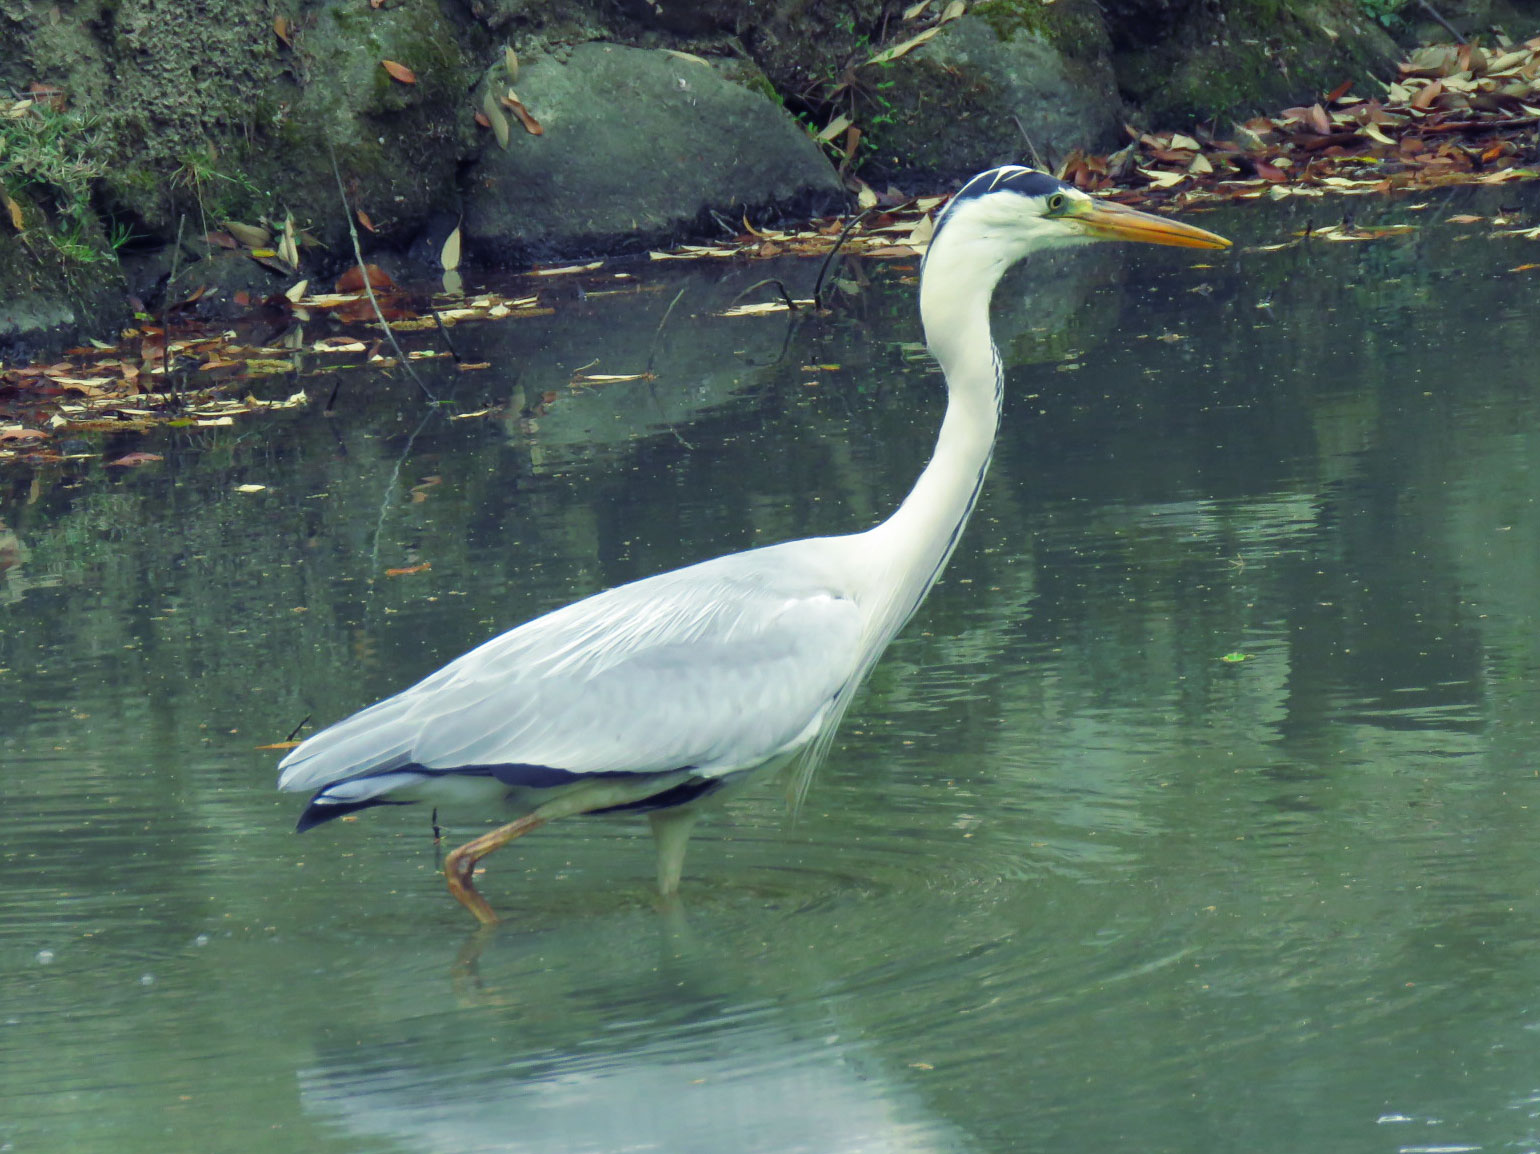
{"x": 128, "y": 460}
{"x": 410, "y": 569}
{"x": 399, "y": 72}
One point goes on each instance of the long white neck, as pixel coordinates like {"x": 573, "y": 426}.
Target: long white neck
{"x": 910, "y": 548}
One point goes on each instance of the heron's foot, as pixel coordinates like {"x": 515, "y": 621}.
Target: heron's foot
{"x": 460, "y": 865}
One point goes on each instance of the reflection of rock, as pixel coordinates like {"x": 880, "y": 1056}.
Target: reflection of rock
{"x": 698, "y": 360}
{"x": 739, "y": 1085}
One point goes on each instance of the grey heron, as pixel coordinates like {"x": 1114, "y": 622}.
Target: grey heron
{"x": 654, "y": 696}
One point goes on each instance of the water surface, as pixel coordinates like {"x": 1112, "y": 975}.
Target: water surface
{"x": 1195, "y": 811}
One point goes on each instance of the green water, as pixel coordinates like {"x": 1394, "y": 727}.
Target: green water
{"x": 1196, "y": 811}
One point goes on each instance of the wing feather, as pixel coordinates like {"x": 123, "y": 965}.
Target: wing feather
{"x": 718, "y": 667}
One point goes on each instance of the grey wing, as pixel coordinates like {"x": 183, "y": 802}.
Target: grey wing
{"x": 718, "y": 667}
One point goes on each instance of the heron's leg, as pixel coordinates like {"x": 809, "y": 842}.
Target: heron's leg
{"x": 461, "y": 864}
{"x": 671, "y": 829}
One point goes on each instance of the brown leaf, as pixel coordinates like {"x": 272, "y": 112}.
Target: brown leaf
{"x": 516, "y": 106}
{"x": 410, "y": 569}
{"x": 18, "y": 222}
{"x": 363, "y": 219}
{"x": 1318, "y": 120}
{"x": 22, "y": 435}
{"x": 1339, "y": 92}
{"x": 399, "y": 72}
{"x": 131, "y": 459}
{"x": 1427, "y": 94}
{"x": 352, "y": 280}
{"x": 481, "y": 119}
{"x": 283, "y": 29}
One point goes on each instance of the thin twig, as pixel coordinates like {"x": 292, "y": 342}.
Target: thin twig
{"x": 658, "y": 333}
{"x": 358, "y": 255}
{"x": 1037, "y": 161}
{"x": 443, "y": 331}
{"x": 776, "y": 281}
{"x": 833, "y": 252}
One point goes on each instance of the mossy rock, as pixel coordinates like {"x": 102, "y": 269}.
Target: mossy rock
{"x": 964, "y": 100}
{"x": 1184, "y": 63}
{"x": 51, "y": 300}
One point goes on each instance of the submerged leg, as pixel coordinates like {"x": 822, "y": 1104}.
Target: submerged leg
{"x": 461, "y": 864}
{"x": 671, "y": 829}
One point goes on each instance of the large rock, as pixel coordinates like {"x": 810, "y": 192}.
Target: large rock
{"x": 983, "y": 92}
{"x": 637, "y": 147}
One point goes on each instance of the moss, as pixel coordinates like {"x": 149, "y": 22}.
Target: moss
{"x": 1074, "y": 27}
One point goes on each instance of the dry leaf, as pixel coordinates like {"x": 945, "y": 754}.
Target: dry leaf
{"x": 905, "y": 47}
{"x": 246, "y": 488}
{"x": 410, "y": 569}
{"x": 511, "y": 64}
{"x": 495, "y": 118}
{"x": 913, "y": 11}
{"x": 296, "y": 292}
{"x": 953, "y": 10}
{"x": 399, "y": 72}
{"x": 130, "y": 459}
{"x": 449, "y": 255}
{"x": 18, "y": 222}
{"x": 282, "y": 29}
{"x": 833, "y": 128}
{"x": 248, "y": 234}
{"x": 363, "y": 219}
{"x": 526, "y": 118}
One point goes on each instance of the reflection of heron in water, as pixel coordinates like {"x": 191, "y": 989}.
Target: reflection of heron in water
{"x": 652, "y": 696}
{"x": 748, "y": 1086}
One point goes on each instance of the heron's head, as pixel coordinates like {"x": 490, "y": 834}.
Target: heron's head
{"x": 1001, "y": 215}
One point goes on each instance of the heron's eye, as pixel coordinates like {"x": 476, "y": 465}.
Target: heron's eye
{"x": 1056, "y": 202}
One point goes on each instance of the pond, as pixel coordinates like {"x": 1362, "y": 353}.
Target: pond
{"x": 1196, "y": 809}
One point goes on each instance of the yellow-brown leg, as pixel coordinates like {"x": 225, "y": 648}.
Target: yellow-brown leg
{"x": 460, "y": 865}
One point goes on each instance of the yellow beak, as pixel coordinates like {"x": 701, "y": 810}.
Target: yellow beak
{"x": 1108, "y": 220}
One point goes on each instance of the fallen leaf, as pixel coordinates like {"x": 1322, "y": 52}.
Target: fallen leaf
{"x": 283, "y": 30}
{"x": 18, "y": 222}
{"x": 131, "y": 459}
{"x": 1464, "y": 218}
{"x": 526, "y": 118}
{"x": 352, "y": 281}
{"x": 496, "y": 121}
{"x": 511, "y": 64}
{"x": 449, "y": 255}
{"x": 249, "y": 235}
{"x": 399, "y": 72}
{"x": 363, "y": 219}
{"x": 278, "y": 745}
{"x": 904, "y": 48}
{"x": 248, "y": 488}
{"x": 409, "y": 570}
